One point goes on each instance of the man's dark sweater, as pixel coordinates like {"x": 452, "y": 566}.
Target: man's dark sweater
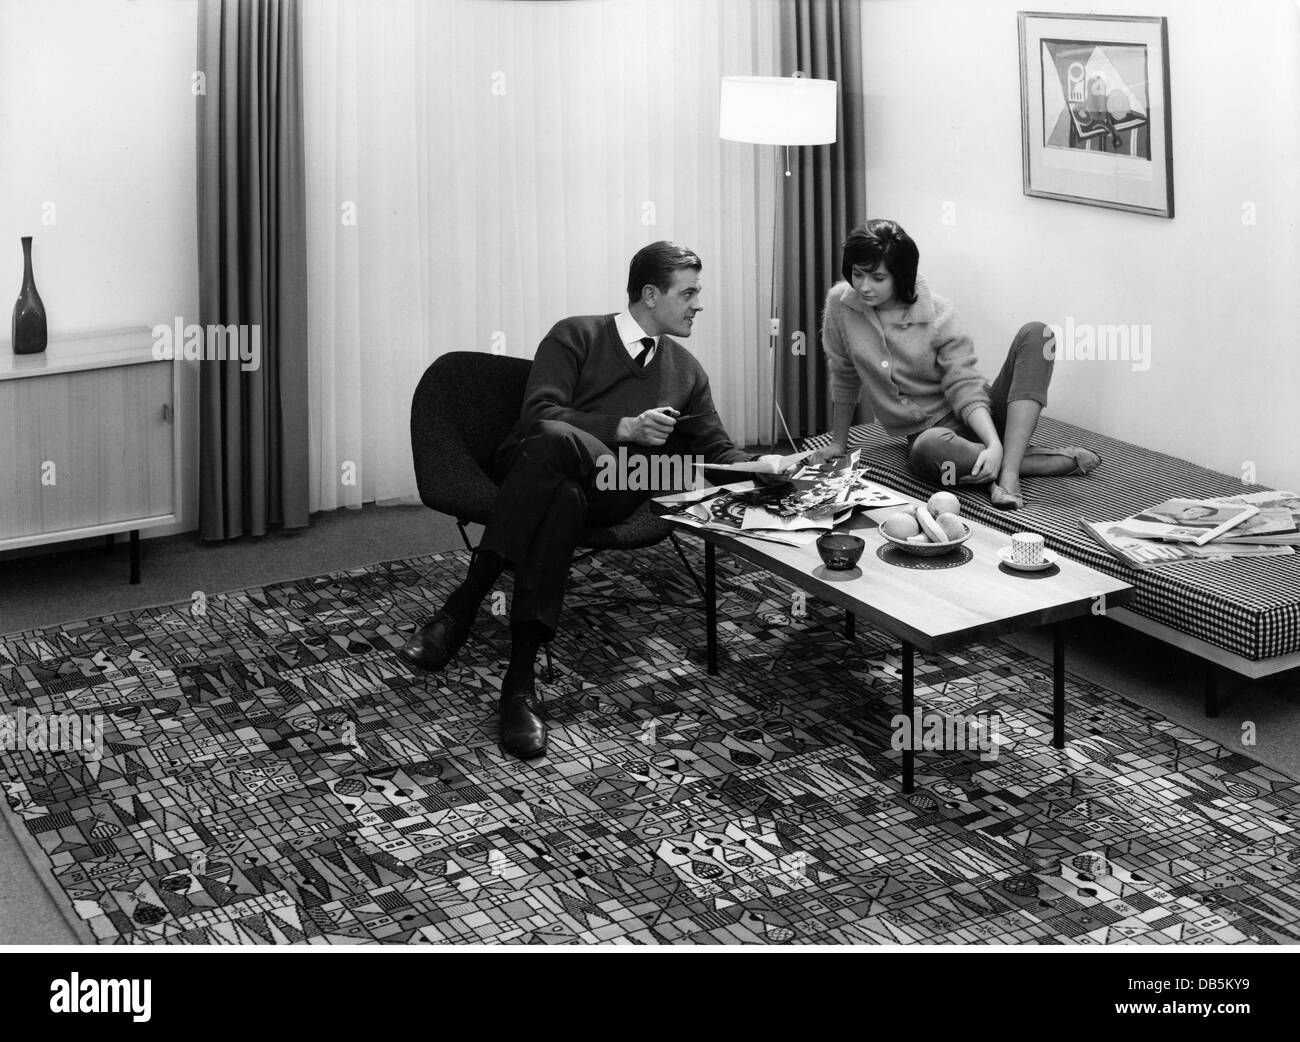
{"x": 583, "y": 375}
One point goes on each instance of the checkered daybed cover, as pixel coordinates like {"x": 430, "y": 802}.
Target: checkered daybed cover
{"x": 1251, "y": 608}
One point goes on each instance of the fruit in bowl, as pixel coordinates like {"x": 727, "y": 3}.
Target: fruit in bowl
{"x": 924, "y": 533}
{"x": 901, "y": 525}
{"x": 943, "y": 503}
{"x": 952, "y": 525}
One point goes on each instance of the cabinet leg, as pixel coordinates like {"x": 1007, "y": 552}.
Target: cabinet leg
{"x": 109, "y": 541}
{"x": 135, "y": 557}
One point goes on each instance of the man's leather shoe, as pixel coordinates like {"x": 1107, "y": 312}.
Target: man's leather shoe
{"x": 435, "y": 645}
{"x": 522, "y": 731}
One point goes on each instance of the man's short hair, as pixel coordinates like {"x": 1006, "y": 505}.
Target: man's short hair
{"x": 654, "y": 265}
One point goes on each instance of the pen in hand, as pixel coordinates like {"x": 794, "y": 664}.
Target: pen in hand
{"x": 694, "y": 415}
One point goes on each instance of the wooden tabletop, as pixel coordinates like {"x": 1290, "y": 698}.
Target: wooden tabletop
{"x": 942, "y": 608}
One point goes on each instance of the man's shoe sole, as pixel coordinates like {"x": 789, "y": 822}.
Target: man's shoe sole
{"x": 524, "y": 756}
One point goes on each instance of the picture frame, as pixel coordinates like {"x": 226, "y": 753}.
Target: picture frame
{"x": 1095, "y": 110}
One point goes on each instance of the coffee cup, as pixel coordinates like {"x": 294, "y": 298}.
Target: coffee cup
{"x": 1027, "y": 549}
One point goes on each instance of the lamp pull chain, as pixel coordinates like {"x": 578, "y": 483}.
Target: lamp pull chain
{"x": 787, "y": 160}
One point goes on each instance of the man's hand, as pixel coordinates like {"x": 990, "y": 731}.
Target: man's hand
{"x": 830, "y": 452}
{"x": 651, "y": 428}
{"x": 988, "y": 464}
{"x": 773, "y": 475}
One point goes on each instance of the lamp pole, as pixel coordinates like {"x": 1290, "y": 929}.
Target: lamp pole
{"x": 777, "y": 110}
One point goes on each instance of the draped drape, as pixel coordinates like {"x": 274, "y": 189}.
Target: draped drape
{"x": 252, "y": 266}
{"x": 824, "y": 197}
{"x": 479, "y": 169}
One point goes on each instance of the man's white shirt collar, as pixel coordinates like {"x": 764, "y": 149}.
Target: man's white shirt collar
{"x": 631, "y": 333}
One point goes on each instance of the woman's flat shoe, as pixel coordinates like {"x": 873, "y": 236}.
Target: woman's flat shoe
{"x": 1004, "y": 500}
{"x": 1085, "y": 460}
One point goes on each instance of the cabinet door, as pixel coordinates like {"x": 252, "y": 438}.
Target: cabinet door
{"x": 88, "y": 448}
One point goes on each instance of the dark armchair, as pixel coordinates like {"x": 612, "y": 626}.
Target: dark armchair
{"x": 465, "y": 405}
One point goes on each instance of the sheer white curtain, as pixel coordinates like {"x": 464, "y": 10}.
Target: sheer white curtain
{"x": 478, "y": 169}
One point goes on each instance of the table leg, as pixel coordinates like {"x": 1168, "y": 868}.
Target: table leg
{"x": 1211, "y": 690}
{"x": 908, "y": 692}
{"x": 850, "y": 624}
{"x": 711, "y": 609}
{"x": 135, "y": 557}
{"x": 1058, "y": 685}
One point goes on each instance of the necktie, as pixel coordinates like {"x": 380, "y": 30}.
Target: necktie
{"x": 645, "y": 351}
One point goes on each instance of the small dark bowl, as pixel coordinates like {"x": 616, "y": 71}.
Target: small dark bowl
{"x": 840, "y": 551}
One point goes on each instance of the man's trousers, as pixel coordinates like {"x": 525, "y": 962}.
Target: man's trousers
{"x": 547, "y": 496}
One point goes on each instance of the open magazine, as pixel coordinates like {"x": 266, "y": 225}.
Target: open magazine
{"x": 1186, "y": 520}
{"x": 1150, "y": 553}
{"x": 813, "y": 501}
{"x": 1277, "y": 523}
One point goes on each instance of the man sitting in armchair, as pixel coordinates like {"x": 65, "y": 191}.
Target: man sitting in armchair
{"x": 598, "y": 382}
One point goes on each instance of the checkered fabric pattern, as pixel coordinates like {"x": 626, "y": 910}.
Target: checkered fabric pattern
{"x": 1251, "y": 608}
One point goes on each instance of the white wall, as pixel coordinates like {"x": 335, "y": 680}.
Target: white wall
{"x": 1222, "y": 297}
{"x": 98, "y": 119}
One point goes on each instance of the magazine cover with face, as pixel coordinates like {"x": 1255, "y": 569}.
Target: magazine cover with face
{"x": 1278, "y": 520}
{"x": 1187, "y": 520}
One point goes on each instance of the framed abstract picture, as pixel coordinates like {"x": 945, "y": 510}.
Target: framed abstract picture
{"x": 1094, "y": 111}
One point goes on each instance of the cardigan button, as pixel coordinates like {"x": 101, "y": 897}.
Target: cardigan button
{"x": 884, "y": 364}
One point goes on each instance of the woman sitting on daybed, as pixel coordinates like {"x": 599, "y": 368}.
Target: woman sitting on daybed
{"x": 885, "y": 332}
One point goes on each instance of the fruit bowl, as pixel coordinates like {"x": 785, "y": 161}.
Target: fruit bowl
{"x": 927, "y": 549}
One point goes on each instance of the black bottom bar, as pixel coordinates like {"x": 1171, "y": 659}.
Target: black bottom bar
{"x": 135, "y": 557}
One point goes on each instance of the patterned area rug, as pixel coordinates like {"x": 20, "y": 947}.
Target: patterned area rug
{"x": 272, "y": 774}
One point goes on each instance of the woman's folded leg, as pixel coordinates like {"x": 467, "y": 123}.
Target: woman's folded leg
{"x": 941, "y": 454}
{"x": 1018, "y": 396}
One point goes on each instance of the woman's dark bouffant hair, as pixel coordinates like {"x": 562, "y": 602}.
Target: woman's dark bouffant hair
{"x": 881, "y": 241}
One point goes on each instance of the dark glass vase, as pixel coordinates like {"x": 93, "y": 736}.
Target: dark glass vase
{"x": 29, "y": 333}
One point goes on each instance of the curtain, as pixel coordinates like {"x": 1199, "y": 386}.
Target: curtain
{"x": 479, "y": 169}
{"x": 825, "y": 196}
{"x": 252, "y": 266}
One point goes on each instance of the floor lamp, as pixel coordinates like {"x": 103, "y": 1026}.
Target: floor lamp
{"x": 777, "y": 110}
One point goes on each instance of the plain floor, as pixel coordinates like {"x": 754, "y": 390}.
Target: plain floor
{"x": 74, "y": 581}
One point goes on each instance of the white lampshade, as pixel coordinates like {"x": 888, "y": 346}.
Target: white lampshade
{"x": 777, "y": 110}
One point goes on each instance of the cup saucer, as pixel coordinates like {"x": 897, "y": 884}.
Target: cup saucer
{"x": 1048, "y": 560}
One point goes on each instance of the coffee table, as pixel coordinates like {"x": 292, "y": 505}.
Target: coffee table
{"x": 936, "y": 606}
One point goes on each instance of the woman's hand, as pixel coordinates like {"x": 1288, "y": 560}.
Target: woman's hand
{"x": 822, "y": 455}
{"x": 988, "y": 464}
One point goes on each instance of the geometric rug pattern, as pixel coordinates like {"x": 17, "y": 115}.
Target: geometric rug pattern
{"x": 272, "y": 774}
